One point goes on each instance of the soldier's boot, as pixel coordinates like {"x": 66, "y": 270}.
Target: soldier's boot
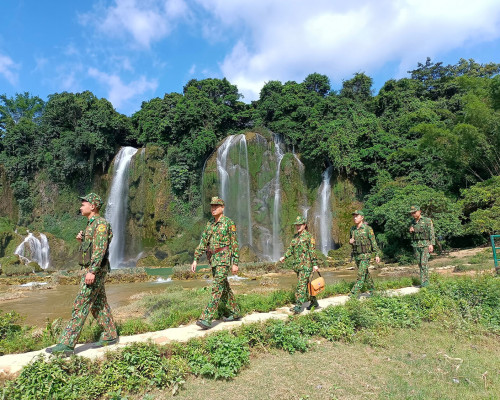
{"x": 313, "y": 304}
{"x": 203, "y": 324}
{"x": 103, "y": 342}
{"x": 232, "y": 317}
{"x": 61, "y": 350}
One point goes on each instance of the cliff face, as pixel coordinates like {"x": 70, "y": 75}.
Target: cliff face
{"x": 265, "y": 187}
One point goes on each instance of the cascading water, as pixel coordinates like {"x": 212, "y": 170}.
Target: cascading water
{"x": 116, "y": 208}
{"x": 277, "y": 243}
{"x": 234, "y": 178}
{"x": 304, "y": 206}
{"x": 38, "y": 250}
{"x": 324, "y": 216}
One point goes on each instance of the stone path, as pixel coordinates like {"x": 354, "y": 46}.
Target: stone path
{"x": 13, "y": 363}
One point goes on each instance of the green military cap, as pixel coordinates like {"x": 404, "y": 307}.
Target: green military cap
{"x": 414, "y": 209}
{"x": 358, "y": 212}
{"x": 300, "y": 220}
{"x": 216, "y": 200}
{"x": 93, "y": 198}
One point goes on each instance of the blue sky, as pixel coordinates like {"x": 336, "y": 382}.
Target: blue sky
{"x": 129, "y": 51}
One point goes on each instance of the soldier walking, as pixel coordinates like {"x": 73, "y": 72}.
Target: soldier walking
{"x": 302, "y": 253}
{"x": 220, "y": 242}
{"x": 92, "y": 296}
{"x": 363, "y": 245}
{"x": 423, "y": 240}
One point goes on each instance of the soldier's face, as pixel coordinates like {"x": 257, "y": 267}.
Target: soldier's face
{"x": 300, "y": 228}
{"x": 216, "y": 209}
{"x": 358, "y": 218}
{"x": 87, "y": 208}
{"x": 416, "y": 214}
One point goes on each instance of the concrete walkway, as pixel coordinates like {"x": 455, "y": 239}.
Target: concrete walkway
{"x": 11, "y": 364}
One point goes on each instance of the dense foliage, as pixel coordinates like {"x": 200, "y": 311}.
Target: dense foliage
{"x": 431, "y": 139}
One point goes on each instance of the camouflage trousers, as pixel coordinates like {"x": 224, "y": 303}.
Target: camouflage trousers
{"x": 93, "y": 298}
{"x": 222, "y": 295}
{"x": 301, "y": 292}
{"x": 363, "y": 276}
{"x": 422, "y": 255}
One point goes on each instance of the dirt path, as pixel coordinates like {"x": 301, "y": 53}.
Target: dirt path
{"x": 11, "y": 364}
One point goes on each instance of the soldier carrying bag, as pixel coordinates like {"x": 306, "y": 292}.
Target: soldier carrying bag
{"x": 317, "y": 285}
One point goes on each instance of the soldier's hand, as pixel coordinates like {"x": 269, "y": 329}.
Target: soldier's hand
{"x": 411, "y": 229}
{"x": 234, "y": 269}
{"x": 315, "y": 268}
{"x": 351, "y": 240}
{"x": 377, "y": 259}
{"x": 89, "y": 278}
{"x": 193, "y": 266}
{"x": 79, "y": 237}
{"x": 431, "y": 248}
{"x": 282, "y": 259}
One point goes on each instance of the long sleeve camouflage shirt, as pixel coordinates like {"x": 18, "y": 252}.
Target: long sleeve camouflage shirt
{"x": 423, "y": 234}
{"x": 95, "y": 243}
{"x": 364, "y": 240}
{"x": 218, "y": 235}
{"x": 302, "y": 251}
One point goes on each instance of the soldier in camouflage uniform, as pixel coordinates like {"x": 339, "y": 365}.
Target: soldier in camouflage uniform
{"x": 220, "y": 242}
{"x": 423, "y": 240}
{"x": 92, "y": 296}
{"x": 363, "y": 245}
{"x": 302, "y": 253}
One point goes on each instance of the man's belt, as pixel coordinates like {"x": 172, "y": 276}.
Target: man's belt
{"x": 210, "y": 253}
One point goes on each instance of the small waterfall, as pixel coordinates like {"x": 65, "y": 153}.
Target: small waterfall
{"x": 277, "y": 243}
{"x": 38, "y": 250}
{"x": 304, "y": 206}
{"x": 325, "y": 213}
{"x": 234, "y": 178}
{"x": 116, "y": 208}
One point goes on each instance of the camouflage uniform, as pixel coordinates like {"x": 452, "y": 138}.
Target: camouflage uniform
{"x": 422, "y": 237}
{"x": 218, "y": 235}
{"x": 302, "y": 254}
{"x": 94, "y": 258}
{"x": 362, "y": 248}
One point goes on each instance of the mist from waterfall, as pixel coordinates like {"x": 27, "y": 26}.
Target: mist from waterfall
{"x": 324, "y": 215}
{"x": 34, "y": 249}
{"x": 234, "y": 178}
{"x": 116, "y": 208}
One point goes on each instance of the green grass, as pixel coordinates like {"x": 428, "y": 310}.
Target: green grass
{"x": 452, "y": 312}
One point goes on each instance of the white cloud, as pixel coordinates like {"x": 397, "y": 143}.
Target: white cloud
{"x": 288, "y": 39}
{"x": 118, "y": 92}
{"x": 146, "y": 21}
{"x": 8, "y": 69}
{"x": 192, "y": 70}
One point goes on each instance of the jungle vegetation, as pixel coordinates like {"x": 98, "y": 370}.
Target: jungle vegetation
{"x": 432, "y": 138}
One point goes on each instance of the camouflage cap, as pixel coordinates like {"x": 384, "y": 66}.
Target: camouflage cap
{"x": 414, "y": 209}
{"x": 300, "y": 220}
{"x": 216, "y": 200}
{"x": 358, "y": 212}
{"x": 93, "y": 198}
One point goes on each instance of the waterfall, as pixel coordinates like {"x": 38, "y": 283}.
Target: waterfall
{"x": 116, "y": 208}
{"x": 304, "y": 206}
{"x": 234, "y": 178}
{"x": 277, "y": 243}
{"x": 325, "y": 213}
{"x": 38, "y": 250}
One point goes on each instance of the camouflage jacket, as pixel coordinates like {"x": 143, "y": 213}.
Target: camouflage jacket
{"x": 216, "y": 235}
{"x": 302, "y": 251}
{"x": 423, "y": 234}
{"x": 364, "y": 240}
{"x": 95, "y": 244}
